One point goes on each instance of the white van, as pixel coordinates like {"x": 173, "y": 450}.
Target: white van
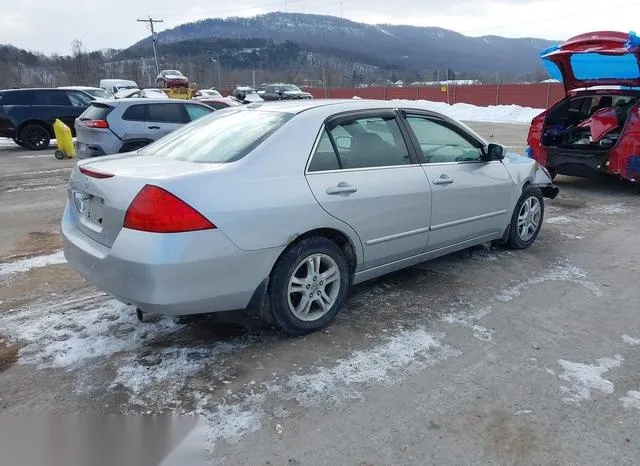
{"x": 114, "y": 86}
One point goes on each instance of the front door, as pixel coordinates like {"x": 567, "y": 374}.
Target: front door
{"x": 470, "y": 197}
{"x": 362, "y": 174}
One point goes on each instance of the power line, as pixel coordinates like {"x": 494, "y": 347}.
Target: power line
{"x": 153, "y": 38}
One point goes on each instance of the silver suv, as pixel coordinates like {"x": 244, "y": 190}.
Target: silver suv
{"x": 124, "y": 125}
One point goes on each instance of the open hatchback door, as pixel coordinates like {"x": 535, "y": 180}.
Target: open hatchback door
{"x": 603, "y": 58}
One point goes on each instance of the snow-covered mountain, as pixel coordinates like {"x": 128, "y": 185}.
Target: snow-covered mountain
{"x": 399, "y": 47}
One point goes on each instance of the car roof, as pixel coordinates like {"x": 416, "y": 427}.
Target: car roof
{"x": 143, "y": 100}
{"x": 338, "y": 105}
{"x": 81, "y": 88}
{"x": 32, "y": 89}
{"x": 329, "y": 107}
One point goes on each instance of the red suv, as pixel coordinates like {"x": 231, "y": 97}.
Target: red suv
{"x": 596, "y": 127}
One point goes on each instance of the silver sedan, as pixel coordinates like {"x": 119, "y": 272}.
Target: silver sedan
{"x": 278, "y": 208}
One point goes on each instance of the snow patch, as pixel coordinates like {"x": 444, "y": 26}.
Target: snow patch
{"x": 468, "y": 112}
{"x": 472, "y": 321}
{"x": 24, "y": 265}
{"x": 231, "y": 422}
{"x": 631, "y": 400}
{"x": 35, "y": 188}
{"x": 630, "y": 340}
{"x": 560, "y": 271}
{"x": 401, "y": 355}
{"x": 610, "y": 209}
{"x": 587, "y": 377}
{"x": 68, "y": 333}
{"x": 561, "y": 220}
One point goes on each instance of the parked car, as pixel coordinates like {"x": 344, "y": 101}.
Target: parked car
{"x": 595, "y": 129}
{"x": 206, "y": 94}
{"x": 141, "y": 93}
{"x": 124, "y": 125}
{"x": 245, "y": 94}
{"x": 284, "y": 92}
{"x": 171, "y": 78}
{"x": 290, "y": 203}
{"x": 96, "y": 92}
{"x": 27, "y": 115}
{"x": 113, "y": 86}
{"x": 220, "y": 103}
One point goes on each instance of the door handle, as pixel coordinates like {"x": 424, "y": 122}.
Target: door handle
{"x": 342, "y": 188}
{"x": 444, "y": 179}
{"x": 153, "y": 127}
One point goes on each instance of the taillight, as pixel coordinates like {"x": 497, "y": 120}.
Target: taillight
{"x": 158, "y": 211}
{"x": 95, "y": 173}
{"x": 96, "y": 124}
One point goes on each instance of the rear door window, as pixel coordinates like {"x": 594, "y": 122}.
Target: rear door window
{"x": 135, "y": 113}
{"x": 53, "y": 97}
{"x": 18, "y": 98}
{"x": 166, "y": 113}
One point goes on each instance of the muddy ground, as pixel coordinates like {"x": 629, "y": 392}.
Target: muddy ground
{"x": 484, "y": 357}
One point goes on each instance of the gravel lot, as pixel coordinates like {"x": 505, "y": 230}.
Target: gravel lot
{"x": 484, "y": 357}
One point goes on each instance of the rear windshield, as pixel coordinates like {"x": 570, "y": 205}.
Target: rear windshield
{"x": 96, "y": 112}
{"x": 223, "y": 137}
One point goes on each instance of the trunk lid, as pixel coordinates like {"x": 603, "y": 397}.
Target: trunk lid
{"x": 602, "y": 58}
{"x": 99, "y": 204}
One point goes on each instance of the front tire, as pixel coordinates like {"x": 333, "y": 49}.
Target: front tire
{"x": 308, "y": 286}
{"x": 526, "y": 220}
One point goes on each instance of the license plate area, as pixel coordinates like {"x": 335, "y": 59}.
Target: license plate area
{"x": 90, "y": 209}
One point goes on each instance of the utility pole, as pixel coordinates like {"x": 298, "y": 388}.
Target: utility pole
{"x": 153, "y": 38}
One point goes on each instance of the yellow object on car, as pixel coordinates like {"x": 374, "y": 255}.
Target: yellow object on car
{"x": 64, "y": 139}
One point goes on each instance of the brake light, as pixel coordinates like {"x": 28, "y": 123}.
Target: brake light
{"x": 96, "y": 124}
{"x": 95, "y": 173}
{"x": 158, "y": 211}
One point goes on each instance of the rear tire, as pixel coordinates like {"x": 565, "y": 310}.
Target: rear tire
{"x": 35, "y": 136}
{"x": 527, "y": 219}
{"x": 308, "y": 287}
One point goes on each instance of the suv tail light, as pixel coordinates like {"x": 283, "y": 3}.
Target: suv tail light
{"x": 96, "y": 123}
{"x": 158, "y": 211}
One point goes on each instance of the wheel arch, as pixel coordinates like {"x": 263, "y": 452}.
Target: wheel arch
{"x": 33, "y": 121}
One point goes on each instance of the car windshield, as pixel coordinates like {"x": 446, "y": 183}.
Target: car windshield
{"x": 222, "y": 137}
{"x": 173, "y": 72}
{"x": 290, "y": 87}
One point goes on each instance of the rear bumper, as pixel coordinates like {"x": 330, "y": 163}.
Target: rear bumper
{"x": 175, "y": 274}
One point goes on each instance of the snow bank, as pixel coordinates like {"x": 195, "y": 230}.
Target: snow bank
{"x": 24, "y": 265}
{"x": 492, "y": 114}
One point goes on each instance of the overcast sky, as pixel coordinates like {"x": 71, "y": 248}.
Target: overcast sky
{"x": 50, "y": 26}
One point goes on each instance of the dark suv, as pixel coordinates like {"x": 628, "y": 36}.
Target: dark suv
{"x": 284, "y": 92}
{"x": 27, "y": 115}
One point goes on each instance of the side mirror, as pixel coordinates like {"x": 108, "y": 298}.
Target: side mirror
{"x": 343, "y": 142}
{"x": 494, "y": 152}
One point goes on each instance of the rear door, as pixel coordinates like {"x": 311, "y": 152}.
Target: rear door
{"x": 58, "y": 105}
{"x": 362, "y": 173}
{"x": 163, "y": 118}
{"x": 470, "y": 197}
{"x": 133, "y": 125}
